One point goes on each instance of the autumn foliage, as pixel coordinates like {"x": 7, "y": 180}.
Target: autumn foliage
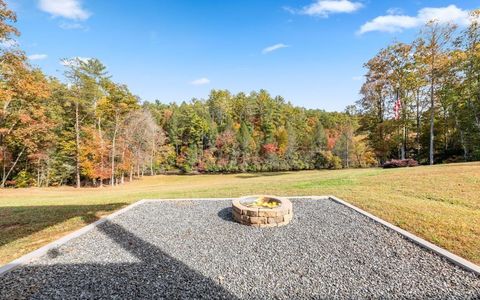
{"x": 90, "y": 130}
{"x": 433, "y": 84}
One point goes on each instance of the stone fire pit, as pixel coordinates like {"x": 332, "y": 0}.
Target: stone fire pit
{"x": 262, "y": 211}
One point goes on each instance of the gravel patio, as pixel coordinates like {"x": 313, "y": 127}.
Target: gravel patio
{"x": 193, "y": 249}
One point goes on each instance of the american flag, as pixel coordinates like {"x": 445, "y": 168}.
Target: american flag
{"x": 397, "y": 107}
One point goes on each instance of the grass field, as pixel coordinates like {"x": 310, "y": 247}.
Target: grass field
{"x": 439, "y": 203}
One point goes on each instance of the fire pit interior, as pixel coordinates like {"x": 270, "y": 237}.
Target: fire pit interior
{"x": 262, "y": 211}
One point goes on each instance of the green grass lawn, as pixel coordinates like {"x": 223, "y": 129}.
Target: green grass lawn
{"x": 439, "y": 203}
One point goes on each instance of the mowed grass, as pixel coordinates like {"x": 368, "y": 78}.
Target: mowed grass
{"x": 439, "y": 203}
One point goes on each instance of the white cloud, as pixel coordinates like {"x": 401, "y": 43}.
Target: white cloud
{"x": 70, "y": 9}
{"x": 274, "y": 47}
{"x": 200, "y": 81}
{"x": 447, "y": 14}
{"x": 37, "y": 56}
{"x": 397, "y": 23}
{"x": 324, "y": 8}
{"x": 389, "y": 23}
{"x": 74, "y": 61}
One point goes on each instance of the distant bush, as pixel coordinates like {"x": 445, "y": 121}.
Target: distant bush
{"x": 327, "y": 160}
{"x": 400, "y": 163}
{"x": 454, "y": 159}
{"x": 23, "y": 179}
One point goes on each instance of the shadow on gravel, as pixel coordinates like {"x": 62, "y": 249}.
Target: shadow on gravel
{"x": 157, "y": 275}
{"x": 226, "y": 214}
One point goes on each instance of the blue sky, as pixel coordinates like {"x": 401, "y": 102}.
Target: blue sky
{"x": 311, "y": 52}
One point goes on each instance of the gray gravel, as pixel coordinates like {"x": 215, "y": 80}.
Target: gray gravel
{"x": 192, "y": 249}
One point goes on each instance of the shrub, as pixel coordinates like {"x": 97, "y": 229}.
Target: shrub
{"x": 23, "y": 179}
{"x": 400, "y": 163}
{"x": 327, "y": 160}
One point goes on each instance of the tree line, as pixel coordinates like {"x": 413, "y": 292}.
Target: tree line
{"x": 256, "y": 132}
{"x": 435, "y": 80}
{"x": 87, "y": 129}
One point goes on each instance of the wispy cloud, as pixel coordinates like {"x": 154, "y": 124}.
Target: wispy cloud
{"x": 74, "y": 61}
{"x": 200, "y": 81}
{"x": 69, "y": 9}
{"x": 395, "y": 11}
{"x": 274, "y": 47}
{"x": 397, "y": 22}
{"x": 37, "y": 56}
{"x": 324, "y": 8}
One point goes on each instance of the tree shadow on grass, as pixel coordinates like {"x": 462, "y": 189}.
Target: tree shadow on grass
{"x": 153, "y": 274}
{"x": 17, "y": 222}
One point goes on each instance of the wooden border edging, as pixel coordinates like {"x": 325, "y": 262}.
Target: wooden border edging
{"x": 455, "y": 259}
